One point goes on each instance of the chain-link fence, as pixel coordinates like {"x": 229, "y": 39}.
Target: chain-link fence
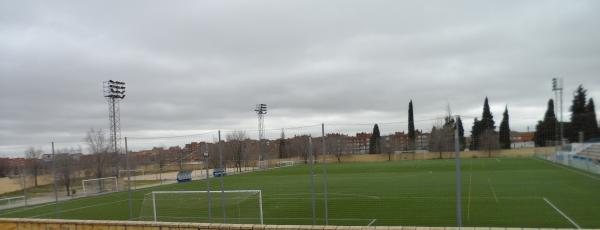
{"x": 387, "y": 173}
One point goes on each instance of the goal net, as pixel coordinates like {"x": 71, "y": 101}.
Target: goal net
{"x": 11, "y": 202}
{"x": 99, "y": 185}
{"x": 285, "y": 163}
{"x": 240, "y": 206}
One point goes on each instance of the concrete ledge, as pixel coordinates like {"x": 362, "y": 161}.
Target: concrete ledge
{"x": 60, "y": 224}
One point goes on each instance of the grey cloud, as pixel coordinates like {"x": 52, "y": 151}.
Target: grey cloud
{"x": 199, "y": 65}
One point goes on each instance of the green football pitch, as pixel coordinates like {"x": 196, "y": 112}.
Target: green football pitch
{"x": 503, "y": 192}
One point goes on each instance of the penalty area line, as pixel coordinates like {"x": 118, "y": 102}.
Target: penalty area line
{"x": 561, "y": 213}
{"x": 370, "y": 223}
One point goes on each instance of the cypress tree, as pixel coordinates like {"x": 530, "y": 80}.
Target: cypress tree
{"x": 374, "y": 142}
{"x": 411, "y": 126}
{"x": 461, "y": 134}
{"x": 282, "y": 146}
{"x": 487, "y": 119}
{"x": 578, "y": 115}
{"x": 545, "y": 130}
{"x": 475, "y": 132}
{"x": 479, "y": 127}
{"x": 504, "y": 131}
{"x": 592, "y": 123}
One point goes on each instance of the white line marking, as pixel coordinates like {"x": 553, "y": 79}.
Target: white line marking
{"x": 469, "y": 200}
{"x": 78, "y": 208}
{"x": 567, "y": 168}
{"x": 493, "y": 191}
{"x": 373, "y": 221}
{"x": 562, "y": 213}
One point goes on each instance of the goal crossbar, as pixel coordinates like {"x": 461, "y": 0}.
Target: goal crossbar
{"x": 12, "y": 198}
{"x": 259, "y": 192}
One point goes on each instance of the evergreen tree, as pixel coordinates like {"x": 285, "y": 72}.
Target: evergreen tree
{"x": 282, "y": 146}
{"x": 411, "y": 126}
{"x": 592, "y": 122}
{"x": 475, "y": 132}
{"x": 461, "y": 134}
{"x": 374, "y": 143}
{"x": 545, "y": 130}
{"x": 479, "y": 127}
{"x": 578, "y": 115}
{"x": 504, "y": 131}
{"x": 487, "y": 119}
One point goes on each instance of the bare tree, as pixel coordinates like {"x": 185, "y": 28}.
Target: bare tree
{"x": 236, "y": 147}
{"x": 299, "y": 146}
{"x": 336, "y": 145}
{"x": 65, "y": 164}
{"x": 442, "y": 136}
{"x": 98, "y": 145}
{"x": 489, "y": 141}
{"x": 4, "y": 167}
{"x": 33, "y": 163}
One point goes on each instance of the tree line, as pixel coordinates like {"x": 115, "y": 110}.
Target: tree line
{"x": 582, "y": 126}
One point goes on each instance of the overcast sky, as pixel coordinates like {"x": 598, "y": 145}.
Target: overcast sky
{"x": 192, "y": 66}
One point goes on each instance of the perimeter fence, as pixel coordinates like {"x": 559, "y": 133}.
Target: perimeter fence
{"x": 319, "y": 174}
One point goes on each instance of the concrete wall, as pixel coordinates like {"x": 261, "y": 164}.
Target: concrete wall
{"x": 49, "y": 224}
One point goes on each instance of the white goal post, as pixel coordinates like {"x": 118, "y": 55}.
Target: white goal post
{"x": 11, "y": 201}
{"x": 215, "y": 199}
{"x": 285, "y": 163}
{"x": 90, "y": 183}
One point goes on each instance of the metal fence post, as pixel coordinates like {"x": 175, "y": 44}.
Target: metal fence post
{"x": 458, "y": 178}
{"x": 56, "y": 208}
{"x": 128, "y": 179}
{"x": 325, "y": 155}
{"x": 311, "y": 161}
{"x": 221, "y": 179}
{"x": 24, "y": 176}
{"x": 208, "y": 184}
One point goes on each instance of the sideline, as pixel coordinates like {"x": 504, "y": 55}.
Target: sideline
{"x": 562, "y": 213}
{"x": 370, "y": 223}
{"x": 567, "y": 168}
{"x": 493, "y": 190}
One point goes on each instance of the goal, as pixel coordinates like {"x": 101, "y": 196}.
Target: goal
{"x": 229, "y": 206}
{"x": 10, "y": 202}
{"x": 100, "y": 185}
{"x": 285, "y": 163}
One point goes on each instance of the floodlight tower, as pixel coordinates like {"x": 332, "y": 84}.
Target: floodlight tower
{"x": 557, "y": 87}
{"x": 261, "y": 110}
{"x": 114, "y": 92}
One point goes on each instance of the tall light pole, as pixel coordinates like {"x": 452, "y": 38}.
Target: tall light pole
{"x": 557, "y": 87}
{"x": 261, "y": 110}
{"x": 114, "y": 92}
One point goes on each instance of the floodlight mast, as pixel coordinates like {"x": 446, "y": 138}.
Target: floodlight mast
{"x": 261, "y": 110}
{"x": 114, "y": 92}
{"x": 557, "y": 87}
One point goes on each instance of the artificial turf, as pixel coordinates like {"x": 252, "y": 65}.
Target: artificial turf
{"x": 496, "y": 192}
